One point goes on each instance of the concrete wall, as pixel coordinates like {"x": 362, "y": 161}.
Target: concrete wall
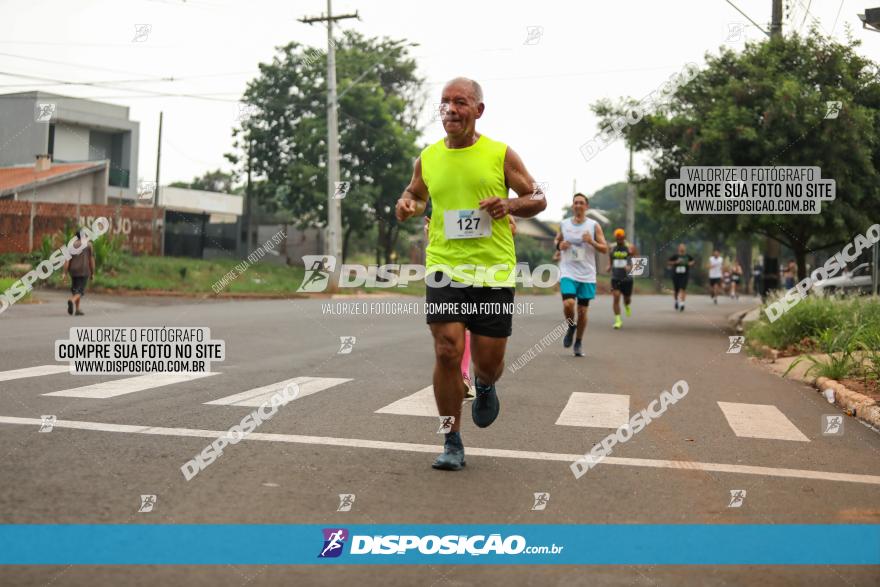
{"x": 21, "y": 137}
{"x": 100, "y": 145}
{"x": 71, "y": 143}
{"x": 300, "y": 242}
{"x": 199, "y": 201}
{"x": 90, "y": 188}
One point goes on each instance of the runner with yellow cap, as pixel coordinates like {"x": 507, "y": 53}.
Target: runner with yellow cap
{"x": 620, "y": 265}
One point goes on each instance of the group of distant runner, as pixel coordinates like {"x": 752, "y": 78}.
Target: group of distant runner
{"x": 461, "y": 185}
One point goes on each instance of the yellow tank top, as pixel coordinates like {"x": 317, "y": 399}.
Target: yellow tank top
{"x": 458, "y": 179}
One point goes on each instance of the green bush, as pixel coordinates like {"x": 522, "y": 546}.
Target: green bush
{"x": 530, "y": 250}
{"x": 839, "y": 345}
{"x": 821, "y": 323}
{"x": 6, "y": 283}
{"x": 109, "y": 255}
{"x": 847, "y": 330}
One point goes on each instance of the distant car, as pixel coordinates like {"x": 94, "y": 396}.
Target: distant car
{"x": 855, "y": 281}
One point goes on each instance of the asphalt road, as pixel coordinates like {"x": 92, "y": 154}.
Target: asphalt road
{"x": 679, "y": 469}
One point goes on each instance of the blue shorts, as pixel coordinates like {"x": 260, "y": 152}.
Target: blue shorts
{"x": 583, "y": 291}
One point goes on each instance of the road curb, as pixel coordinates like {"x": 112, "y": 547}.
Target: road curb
{"x": 740, "y": 317}
{"x": 766, "y": 352}
{"x": 856, "y": 404}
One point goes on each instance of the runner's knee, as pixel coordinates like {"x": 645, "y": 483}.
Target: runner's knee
{"x": 448, "y": 351}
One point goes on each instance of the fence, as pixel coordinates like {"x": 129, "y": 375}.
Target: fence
{"x": 23, "y": 224}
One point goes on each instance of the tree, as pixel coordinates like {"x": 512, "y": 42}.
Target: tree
{"x": 212, "y": 181}
{"x": 287, "y": 131}
{"x": 767, "y": 106}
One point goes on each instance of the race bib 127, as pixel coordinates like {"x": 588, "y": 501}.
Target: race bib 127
{"x": 467, "y": 224}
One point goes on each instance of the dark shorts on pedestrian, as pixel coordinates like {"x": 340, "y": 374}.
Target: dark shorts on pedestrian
{"x": 624, "y": 286}
{"x": 78, "y": 285}
{"x": 485, "y": 311}
{"x": 714, "y": 280}
{"x": 679, "y": 282}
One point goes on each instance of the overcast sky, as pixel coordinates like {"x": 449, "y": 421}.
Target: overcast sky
{"x": 537, "y": 94}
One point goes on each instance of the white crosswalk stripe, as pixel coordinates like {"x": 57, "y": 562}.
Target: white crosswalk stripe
{"x": 421, "y": 403}
{"x": 33, "y": 372}
{"x": 119, "y": 387}
{"x": 760, "y": 421}
{"x": 595, "y": 410}
{"x": 256, "y": 397}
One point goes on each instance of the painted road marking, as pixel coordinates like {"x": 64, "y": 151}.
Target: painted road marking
{"x": 33, "y": 372}
{"x": 254, "y": 398}
{"x": 595, "y": 410}
{"x": 118, "y": 387}
{"x": 421, "y": 403}
{"x": 432, "y": 449}
{"x": 760, "y": 421}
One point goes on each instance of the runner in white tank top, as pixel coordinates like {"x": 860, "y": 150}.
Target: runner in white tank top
{"x": 716, "y": 268}
{"x": 578, "y": 241}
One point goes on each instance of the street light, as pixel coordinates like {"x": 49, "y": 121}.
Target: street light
{"x": 871, "y": 19}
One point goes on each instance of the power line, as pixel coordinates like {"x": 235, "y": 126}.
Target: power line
{"x": 107, "y": 86}
{"x": 748, "y": 17}
{"x": 839, "y": 8}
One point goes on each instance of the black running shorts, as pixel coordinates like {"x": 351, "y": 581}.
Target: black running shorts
{"x": 485, "y": 311}
{"x": 679, "y": 281}
{"x": 624, "y": 286}
{"x": 78, "y": 285}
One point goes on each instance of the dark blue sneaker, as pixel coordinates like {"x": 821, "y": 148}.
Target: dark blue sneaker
{"x": 485, "y": 408}
{"x": 569, "y": 336}
{"x": 577, "y": 349}
{"x": 452, "y": 458}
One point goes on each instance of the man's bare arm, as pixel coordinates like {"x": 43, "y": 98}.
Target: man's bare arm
{"x": 531, "y": 199}
{"x": 415, "y": 197}
{"x": 600, "y": 244}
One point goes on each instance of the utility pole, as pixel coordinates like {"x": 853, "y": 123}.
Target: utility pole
{"x": 156, "y": 193}
{"x": 776, "y": 20}
{"x": 771, "y": 246}
{"x": 630, "y": 226}
{"x": 333, "y": 244}
{"x": 249, "y": 203}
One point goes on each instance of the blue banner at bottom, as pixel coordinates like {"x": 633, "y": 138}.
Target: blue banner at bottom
{"x": 255, "y": 544}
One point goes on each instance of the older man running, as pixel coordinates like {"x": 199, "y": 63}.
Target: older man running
{"x": 471, "y": 261}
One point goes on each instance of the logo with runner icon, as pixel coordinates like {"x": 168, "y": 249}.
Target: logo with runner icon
{"x": 541, "y": 500}
{"x": 832, "y": 109}
{"x": 346, "y": 500}
{"x": 346, "y": 345}
{"x": 148, "y": 502}
{"x": 341, "y": 189}
{"x": 639, "y": 265}
{"x": 318, "y": 270}
{"x": 832, "y": 425}
{"x": 44, "y": 112}
{"x": 334, "y": 541}
{"x": 736, "y": 344}
{"x": 534, "y": 34}
{"x": 48, "y": 423}
{"x": 737, "y": 497}
{"x": 446, "y": 423}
